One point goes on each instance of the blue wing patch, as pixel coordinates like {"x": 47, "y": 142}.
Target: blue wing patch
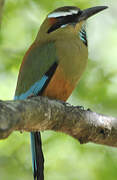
{"x": 34, "y": 89}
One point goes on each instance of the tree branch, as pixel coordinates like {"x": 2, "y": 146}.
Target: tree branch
{"x": 41, "y": 113}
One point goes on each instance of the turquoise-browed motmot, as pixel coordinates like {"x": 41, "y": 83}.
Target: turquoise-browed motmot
{"x": 54, "y": 63}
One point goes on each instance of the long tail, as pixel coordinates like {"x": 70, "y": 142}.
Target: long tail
{"x": 37, "y": 156}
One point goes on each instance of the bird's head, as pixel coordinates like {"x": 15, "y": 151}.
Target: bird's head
{"x": 66, "y": 20}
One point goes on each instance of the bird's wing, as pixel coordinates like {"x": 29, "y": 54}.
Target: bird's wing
{"x": 38, "y": 66}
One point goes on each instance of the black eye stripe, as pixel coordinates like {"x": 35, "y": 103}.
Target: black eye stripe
{"x": 63, "y": 20}
{"x": 68, "y": 19}
{"x": 73, "y": 18}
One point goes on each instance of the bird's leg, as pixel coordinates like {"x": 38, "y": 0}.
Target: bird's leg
{"x": 89, "y": 110}
{"x": 31, "y": 95}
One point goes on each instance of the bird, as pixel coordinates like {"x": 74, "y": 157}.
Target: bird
{"x": 54, "y": 64}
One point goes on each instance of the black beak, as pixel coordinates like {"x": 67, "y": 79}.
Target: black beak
{"x": 90, "y": 12}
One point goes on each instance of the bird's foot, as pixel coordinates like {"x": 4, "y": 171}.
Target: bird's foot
{"x": 31, "y": 95}
{"x": 80, "y": 107}
{"x": 89, "y": 110}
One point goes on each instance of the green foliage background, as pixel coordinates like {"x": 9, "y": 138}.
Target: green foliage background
{"x": 65, "y": 158}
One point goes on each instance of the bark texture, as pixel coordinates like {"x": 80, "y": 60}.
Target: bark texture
{"x": 41, "y": 113}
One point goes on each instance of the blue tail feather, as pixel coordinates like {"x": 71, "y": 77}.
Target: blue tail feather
{"x": 37, "y": 156}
